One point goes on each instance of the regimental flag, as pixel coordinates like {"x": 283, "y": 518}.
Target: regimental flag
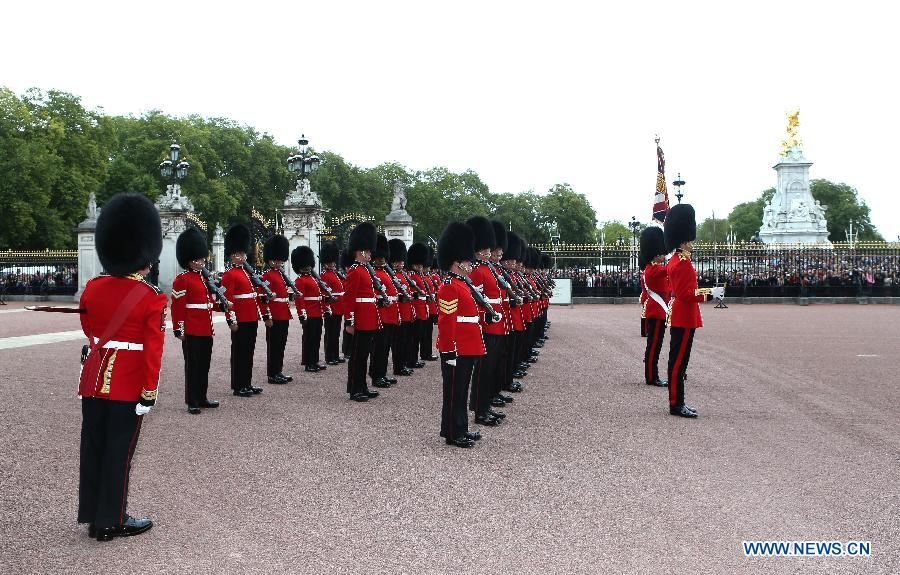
{"x": 661, "y": 199}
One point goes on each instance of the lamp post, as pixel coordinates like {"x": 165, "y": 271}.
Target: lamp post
{"x": 635, "y": 226}
{"x": 171, "y": 169}
{"x": 678, "y": 183}
{"x": 303, "y": 163}
{"x": 554, "y": 241}
{"x": 620, "y": 242}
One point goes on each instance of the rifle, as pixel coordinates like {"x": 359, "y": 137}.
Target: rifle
{"x": 259, "y": 283}
{"x": 215, "y": 290}
{"x": 419, "y": 292}
{"x": 323, "y": 287}
{"x": 293, "y": 292}
{"x": 479, "y": 299}
{"x": 514, "y": 299}
{"x": 402, "y": 291}
{"x": 383, "y": 300}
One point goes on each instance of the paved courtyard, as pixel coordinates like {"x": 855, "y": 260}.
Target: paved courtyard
{"x": 798, "y": 439}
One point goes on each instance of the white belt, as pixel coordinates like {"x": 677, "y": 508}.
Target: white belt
{"x": 467, "y": 319}
{"x": 245, "y": 295}
{"x": 494, "y": 300}
{"x": 121, "y": 345}
{"x": 337, "y": 293}
{"x": 365, "y": 300}
{"x": 281, "y": 299}
{"x": 314, "y": 298}
{"x": 198, "y": 305}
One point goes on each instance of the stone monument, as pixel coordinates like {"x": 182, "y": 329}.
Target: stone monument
{"x": 88, "y": 263}
{"x": 792, "y": 215}
{"x": 302, "y": 219}
{"x": 218, "y": 250}
{"x": 399, "y": 224}
{"x": 173, "y": 209}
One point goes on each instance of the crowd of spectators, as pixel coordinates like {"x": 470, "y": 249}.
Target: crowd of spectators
{"x": 53, "y": 281}
{"x": 796, "y": 275}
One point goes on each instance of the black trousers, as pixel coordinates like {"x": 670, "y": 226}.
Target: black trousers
{"x": 419, "y": 333}
{"x": 243, "y": 344}
{"x": 523, "y": 344}
{"x": 332, "y": 337}
{"x": 486, "y": 375}
{"x": 381, "y": 347}
{"x": 401, "y": 349}
{"x": 109, "y": 434}
{"x": 276, "y": 340}
{"x": 656, "y": 333}
{"x": 347, "y": 342}
{"x": 680, "y": 341}
{"x": 312, "y": 339}
{"x": 197, "y": 350}
{"x": 454, "y": 417}
{"x": 511, "y": 343}
{"x": 425, "y": 344}
{"x": 360, "y": 350}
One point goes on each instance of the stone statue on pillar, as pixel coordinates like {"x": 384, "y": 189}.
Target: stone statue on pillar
{"x": 173, "y": 210}
{"x": 399, "y": 224}
{"x": 88, "y": 263}
{"x": 302, "y": 218}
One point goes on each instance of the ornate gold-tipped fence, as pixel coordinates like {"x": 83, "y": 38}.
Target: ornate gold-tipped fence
{"x": 36, "y": 272}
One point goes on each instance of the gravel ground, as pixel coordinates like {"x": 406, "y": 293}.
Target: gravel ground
{"x": 798, "y": 439}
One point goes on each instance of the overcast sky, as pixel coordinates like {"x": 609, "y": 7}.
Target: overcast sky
{"x": 527, "y": 94}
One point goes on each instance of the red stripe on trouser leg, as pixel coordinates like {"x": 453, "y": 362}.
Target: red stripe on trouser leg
{"x": 651, "y": 357}
{"x": 137, "y": 429}
{"x": 452, "y": 395}
{"x": 676, "y": 368}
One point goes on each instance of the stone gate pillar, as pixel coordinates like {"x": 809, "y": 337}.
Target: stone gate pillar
{"x": 88, "y": 263}
{"x": 218, "y": 250}
{"x": 173, "y": 209}
{"x": 399, "y": 224}
{"x": 303, "y": 220}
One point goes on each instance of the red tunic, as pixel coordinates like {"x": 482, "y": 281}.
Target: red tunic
{"x": 332, "y": 280}
{"x": 420, "y": 304}
{"x": 390, "y": 314}
{"x": 406, "y": 307}
{"x": 359, "y": 299}
{"x": 484, "y": 280}
{"x": 192, "y": 305}
{"x": 686, "y": 304}
{"x": 459, "y": 323}
{"x": 244, "y": 299}
{"x": 129, "y": 365}
{"x": 434, "y": 284}
{"x": 280, "y": 307}
{"x": 311, "y": 296}
{"x": 656, "y": 278}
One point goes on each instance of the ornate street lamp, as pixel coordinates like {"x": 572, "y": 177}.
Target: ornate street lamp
{"x": 678, "y": 183}
{"x": 301, "y": 163}
{"x": 171, "y": 169}
{"x": 635, "y": 226}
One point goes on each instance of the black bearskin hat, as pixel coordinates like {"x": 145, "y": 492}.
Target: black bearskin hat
{"x": 329, "y": 252}
{"x": 680, "y": 226}
{"x": 381, "y": 248}
{"x": 276, "y": 248}
{"x": 457, "y": 244}
{"x": 397, "y": 248}
{"x": 484, "y": 233}
{"x": 302, "y": 257}
{"x": 430, "y": 262}
{"x": 190, "y": 246}
{"x": 546, "y": 262}
{"x": 347, "y": 260}
{"x": 363, "y": 238}
{"x": 513, "y": 249}
{"x": 499, "y": 235}
{"x": 652, "y": 244}
{"x": 237, "y": 239}
{"x": 128, "y": 236}
{"x": 417, "y": 255}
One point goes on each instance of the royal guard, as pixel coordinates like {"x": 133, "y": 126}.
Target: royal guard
{"x": 459, "y": 339}
{"x": 192, "y": 317}
{"x": 485, "y": 383}
{"x": 275, "y": 253}
{"x": 124, "y": 319}
{"x": 346, "y": 260}
{"x": 416, "y": 260}
{"x": 641, "y": 264}
{"x": 310, "y": 305}
{"x": 361, "y": 309}
{"x": 655, "y": 308}
{"x": 248, "y": 308}
{"x": 389, "y": 316}
{"x": 403, "y": 339}
{"x": 328, "y": 257}
{"x": 508, "y": 265}
{"x": 684, "y": 317}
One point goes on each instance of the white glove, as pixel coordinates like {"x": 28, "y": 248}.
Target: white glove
{"x": 142, "y": 409}
{"x": 451, "y": 362}
{"x": 718, "y": 292}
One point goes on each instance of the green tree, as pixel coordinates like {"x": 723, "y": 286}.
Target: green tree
{"x": 610, "y": 231}
{"x": 712, "y": 230}
{"x": 746, "y": 218}
{"x": 569, "y": 210}
{"x": 843, "y": 205}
